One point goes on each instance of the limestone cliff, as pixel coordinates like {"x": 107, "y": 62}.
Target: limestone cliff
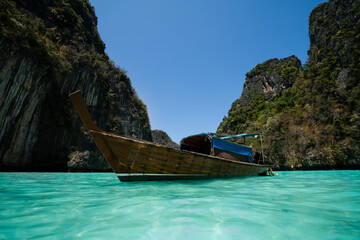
{"x": 263, "y": 84}
{"x": 49, "y": 49}
{"x": 270, "y": 78}
{"x": 311, "y": 121}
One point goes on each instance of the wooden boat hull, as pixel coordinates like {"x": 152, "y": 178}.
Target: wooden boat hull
{"x": 138, "y": 160}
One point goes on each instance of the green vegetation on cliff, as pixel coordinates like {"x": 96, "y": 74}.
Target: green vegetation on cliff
{"x": 48, "y": 29}
{"x": 314, "y": 121}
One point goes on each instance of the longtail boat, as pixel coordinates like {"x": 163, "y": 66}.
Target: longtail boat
{"x": 201, "y": 156}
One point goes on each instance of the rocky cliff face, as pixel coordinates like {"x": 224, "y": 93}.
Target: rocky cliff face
{"x": 270, "y": 78}
{"x": 263, "y": 84}
{"x": 49, "y": 49}
{"x": 311, "y": 121}
{"x": 334, "y": 40}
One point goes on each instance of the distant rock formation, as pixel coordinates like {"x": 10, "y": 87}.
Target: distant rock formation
{"x": 161, "y": 137}
{"x": 49, "y": 49}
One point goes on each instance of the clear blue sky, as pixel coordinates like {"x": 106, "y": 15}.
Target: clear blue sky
{"x": 187, "y": 59}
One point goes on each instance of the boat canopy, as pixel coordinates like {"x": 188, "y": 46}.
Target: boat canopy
{"x": 232, "y": 147}
{"x": 215, "y": 144}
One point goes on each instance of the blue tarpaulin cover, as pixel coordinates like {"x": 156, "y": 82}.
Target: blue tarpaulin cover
{"x": 231, "y": 147}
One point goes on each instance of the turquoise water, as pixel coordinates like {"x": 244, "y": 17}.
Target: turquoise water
{"x": 293, "y": 205}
